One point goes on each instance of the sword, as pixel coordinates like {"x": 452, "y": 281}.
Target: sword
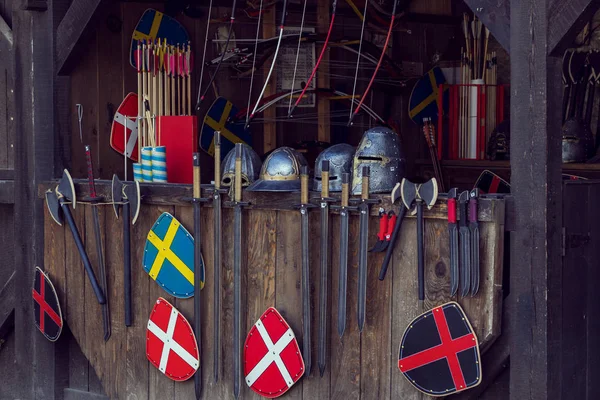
{"x": 94, "y": 199}
{"x": 343, "y": 273}
{"x": 363, "y": 208}
{"x": 465, "y": 244}
{"x": 216, "y": 200}
{"x": 453, "y": 242}
{"x": 474, "y": 230}
{"x": 324, "y": 203}
{"x": 306, "y": 330}
{"x": 237, "y": 269}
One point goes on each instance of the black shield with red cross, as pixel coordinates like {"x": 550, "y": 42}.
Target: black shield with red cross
{"x": 272, "y": 358}
{"x": 439, "y": 353}
{"x": 46, "y": 308}
{"x": 490, "y": 183}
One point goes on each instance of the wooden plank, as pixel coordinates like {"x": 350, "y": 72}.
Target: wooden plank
{"x": 566, "y": 19}
{"x": 323, "y": 20}
{"x": 4, "y": 96}
{"x": 71, "y": 29}
{"x": 262, "y": 253}
{"x": 536, "y": 163}
{"x": 288, "y": 297}
{"x": 376, "y": 347}
{"x": 495, "y": 15}
{"x": 269, "y": 30}
{"x": 345, "y": 351}
{"x": 6, "y": 32}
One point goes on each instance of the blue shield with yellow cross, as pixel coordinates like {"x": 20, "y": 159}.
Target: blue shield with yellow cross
{"x": 169, "y": 257}
{"x": 424, "y": 99}
{"x": 221, "y": 118}
{"x": 153, "y": 25}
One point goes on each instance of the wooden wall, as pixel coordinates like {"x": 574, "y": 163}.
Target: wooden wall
{"x": 358, "y": 366}
{"x": 7, "y": 97}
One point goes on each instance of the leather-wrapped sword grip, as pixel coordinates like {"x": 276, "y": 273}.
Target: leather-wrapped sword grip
{"x": 196, "y": 159}
{"x": 238, "y": 172}
{"x": 304, "y": 185}
{"x": 365, "y": 183}
{"x": 325, "y": 179}
{"x": 217, "y": 145}
{"x": 345, "y": 189}
{"x": 452, "y": 211}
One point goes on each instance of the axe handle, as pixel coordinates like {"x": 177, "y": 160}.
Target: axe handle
{"x": 392, "y": 244}
{"x": 421, "y": 251}
{"x": 127, "y": 262}
{"x": 84, "y": 257}
{"x": 217, "y": 141}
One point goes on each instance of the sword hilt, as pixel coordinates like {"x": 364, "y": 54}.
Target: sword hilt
{"x": 325, "y": 179}
{"x": 366, "y": 172}
{"x": 304, "y": 185}
{"x": 217, "y": 146}
{"x": 196, "y": 162}
{"x": 238, "y": 173}
{"x": 345, "y": 189}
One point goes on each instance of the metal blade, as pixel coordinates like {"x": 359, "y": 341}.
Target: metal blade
{"x": 343, "y": 273}
{"x": 237, "y": 299}
{"x": 306, "y": 330}
{"x": 217, "y": 279}
{"x": 362, "y": 264}
{"x": 102, "y": 272}
{"x": 453, "y": 233}
{"x": 198, "y": 296}
{"x": 465, "y": 259}
{"x": 474, "y": 259}
{"x": 323, "y": 286}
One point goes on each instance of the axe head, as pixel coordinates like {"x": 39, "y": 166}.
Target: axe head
{"x": 132, "y": 193}
{"x": 396, "y": 193}
{"x": 54, "y": 206}
{"x": 66, "y": 189}
{"x": 409, "y": 192}
{"x": 426, "y": 192}
{"x": 117, "y": 194}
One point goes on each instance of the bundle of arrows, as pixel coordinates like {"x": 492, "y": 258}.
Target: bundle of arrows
{"x": 164, "y": 83}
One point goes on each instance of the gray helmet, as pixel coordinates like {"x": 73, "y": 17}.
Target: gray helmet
{"x": 380, "y": 150}
{"x": 280, "y": 172}
{"x": 250, "y": 167}
{"x": 577, "y": 142}
{"x": 340, "y": 161}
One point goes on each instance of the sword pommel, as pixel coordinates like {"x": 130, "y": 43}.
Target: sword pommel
{"x": 365, "y": 183}
{"x": 325, "y": 179}
{"x": 304, "y": 185}
{"x": 345, "y": 189}
{"x": 217, "y": 155}
{"x": 238, "y": 172}
{"x": 196, "y": 163}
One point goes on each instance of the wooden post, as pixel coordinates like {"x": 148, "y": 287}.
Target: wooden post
{"x": 323, "y": 19}
{"x": 536, "y": 264}
{"x": 269, "y": 26}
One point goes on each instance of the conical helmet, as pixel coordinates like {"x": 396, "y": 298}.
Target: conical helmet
{"x": 381, "y": 151}
{"x": 250, "y": 167}
{"x": 280, "y": 172}
{"x": 340, "y": 161}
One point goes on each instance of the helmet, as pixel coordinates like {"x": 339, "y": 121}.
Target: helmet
{"x": 577, "y": 142}
{"x": 498, "y": 147}
{"x": 379, "y": 149}
{"x": 340, "y": 161}
{"x": 280, "y": 172}
{"x": 250, "y": 167}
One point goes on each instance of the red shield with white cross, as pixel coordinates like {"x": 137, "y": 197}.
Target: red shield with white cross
{"x": 124, "y": 130}
{"x": 439, "y": 353}
{"x": 46, "y": 308}
{"x": 170, "y": 342}
{"x": 272, "y": 358}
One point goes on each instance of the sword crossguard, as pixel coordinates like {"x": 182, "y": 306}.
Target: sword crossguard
{"x": 237, "y": 203}
{"x": 347, "y": 208}
{"x": 365, "y": 201}
{"x": 324, "y": 200}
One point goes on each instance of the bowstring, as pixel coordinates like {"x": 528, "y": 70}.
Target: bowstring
{"x": 254, "y": 62}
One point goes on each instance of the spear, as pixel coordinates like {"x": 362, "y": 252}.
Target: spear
{"x": 160, "y": 78}
{"x": 140, "y": 97}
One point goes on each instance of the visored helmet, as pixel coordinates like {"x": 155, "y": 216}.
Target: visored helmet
{"x": 250, "y": 167}
{"x": 577, "y": 142}
{"x": 380, "y": 150}
{"x": 340, "y": 161}
{"x": 280, "y": 172}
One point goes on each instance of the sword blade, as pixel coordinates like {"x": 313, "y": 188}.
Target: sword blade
{"x": 474, "y": 259}
{"x": 453, "y": 234}
{"x": 102, "y": 272}
{"x": 362, "y": 264}
{"x": 343, "y": 273}
{"x": 217, "y": 282}
{"x": 197, "y": 297}
{"x": 306, "y": 330}
{"x": 465, "y": 259}
{"x": 237, "y": 298}
{"x": 323, "y": 286}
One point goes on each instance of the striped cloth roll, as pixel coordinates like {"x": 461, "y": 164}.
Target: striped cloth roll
{"x": 159, "y": 164}
{"x": 147, "y": 164}
{"x": 137, "y": 172}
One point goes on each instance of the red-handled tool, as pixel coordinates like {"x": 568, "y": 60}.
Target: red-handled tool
{"x": 380, "y": 245}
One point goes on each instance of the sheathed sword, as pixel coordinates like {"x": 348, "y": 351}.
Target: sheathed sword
{"x": 363, "y": 207}
{"x": 238, "y": 205}
{"x": 474, "y": 229}
{"x": 465, "y": 245}
{"x": 453, "y": 240}
{"x": 95, "y": 199}
{"x": 324, "y": 201}
{"x": 343, "y": 272}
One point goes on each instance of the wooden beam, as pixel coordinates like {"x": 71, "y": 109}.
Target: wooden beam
{"x": 495, "y": 15}
{"x": 269, "y": 27}
{"x": 7, "y": 307}
{"x": 6, "y": 32}
{"x": 566, "y": 20}
{"x": 72, "y": 28}
{"x": 324, "y": 128}
{"x": 536, "y": 161}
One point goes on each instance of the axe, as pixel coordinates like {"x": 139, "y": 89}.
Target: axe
{"x": 128, "y": 196}
{"x": 58, "y": 202}
{"x": 417, "y": 195}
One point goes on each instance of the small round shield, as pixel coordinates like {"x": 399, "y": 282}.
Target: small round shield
{"x": 46, "y": 308}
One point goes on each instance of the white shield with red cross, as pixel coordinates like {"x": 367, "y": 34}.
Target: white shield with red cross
{"x": 124, "y": 130}
{"x": 272, "y": 358}
{"x": 170, "y": 342}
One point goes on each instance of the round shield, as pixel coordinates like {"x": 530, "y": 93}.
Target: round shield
{"x": 46, "y": 308}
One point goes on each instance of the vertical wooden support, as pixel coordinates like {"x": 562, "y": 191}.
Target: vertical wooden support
{"x": 323, "y": 19}
{"x": 269, "y": 25}
{"x": 535, "y": 281}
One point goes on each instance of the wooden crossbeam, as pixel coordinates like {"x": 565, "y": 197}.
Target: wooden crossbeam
{"x": 566, "y": 19}
{"x": 72, "y": 28}
{"x": 7, "y": 307}
{"x": 6, "y": 32}
{"x": 495, "y": 15}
